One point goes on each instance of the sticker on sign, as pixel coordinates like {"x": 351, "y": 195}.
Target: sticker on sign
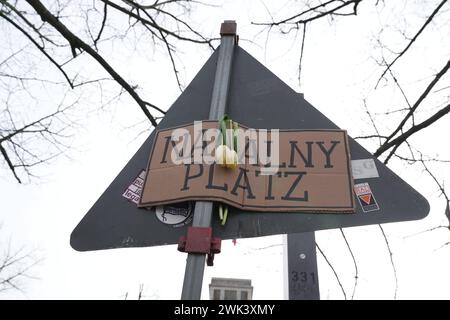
{"x": 364, "y": 168}
{"x": 134, "y": 190}
{"x": 365, "y": 197}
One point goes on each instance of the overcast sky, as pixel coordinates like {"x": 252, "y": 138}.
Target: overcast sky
{"x": 338, "y": 72}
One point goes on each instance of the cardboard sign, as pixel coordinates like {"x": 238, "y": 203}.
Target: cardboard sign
{"x": 312, "y": 174}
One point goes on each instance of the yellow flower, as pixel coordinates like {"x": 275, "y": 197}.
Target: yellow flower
{"x": 226, "y": 157}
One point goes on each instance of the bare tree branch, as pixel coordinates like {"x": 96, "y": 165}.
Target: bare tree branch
{"x": 430, "y": 86}
{"x": 41, "y": 48}
{"x": 15, "y": 266}
{"x": 11, "y": 166}
{"x": 153, "y": 25}
{"x": 77, "y": 43}
{"x": 410, "y": 43}
{"x": 50, "y": 31}
{"x": 332, "y": 269}
{"x": 355, "y": 265}
{"x": 394, "y": 269}
{"x": 328, "y": 8}
{"x": 425, "y": 231}
{"x": 15, "y": 147}
{"x": 301, "y": 56}
{"x": 105, "y": 14}
{"x": 402, "y": 138}
{"x": 404, "y": 130}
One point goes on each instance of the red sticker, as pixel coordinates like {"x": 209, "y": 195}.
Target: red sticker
{"x": 366, "y": 198}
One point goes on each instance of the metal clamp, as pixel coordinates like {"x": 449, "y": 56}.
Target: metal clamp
{"x": 200, "y": 240}
{"x": 228, "y": 28}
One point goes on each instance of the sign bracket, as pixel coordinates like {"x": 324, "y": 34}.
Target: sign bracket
{"x": 200, "y": 240}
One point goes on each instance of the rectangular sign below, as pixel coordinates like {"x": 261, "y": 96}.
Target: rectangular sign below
{"x": 312, "y": 173}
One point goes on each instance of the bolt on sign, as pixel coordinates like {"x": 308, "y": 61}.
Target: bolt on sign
{"x": 278, "y": 170}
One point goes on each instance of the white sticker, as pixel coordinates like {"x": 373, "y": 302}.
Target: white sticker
{"x": 364, "y": 168}
{"x": 134, "y": 190}
{"x": 176, "y": 214}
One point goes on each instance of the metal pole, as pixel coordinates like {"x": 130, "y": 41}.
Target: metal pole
{"x": 300, "y": 265}
{"x": 195, "y": 264}
{"x": 302, "y": 276}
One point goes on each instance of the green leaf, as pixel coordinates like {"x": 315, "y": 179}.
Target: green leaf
{"x": 225, "y": 215}
{"x": 235, "y": 136}
{"x": 223, "y": 130}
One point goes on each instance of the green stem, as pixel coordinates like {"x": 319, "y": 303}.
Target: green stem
{"x": 223, "y": 128}
{"x": 235, "y": 128}
{"x": 225, "y": 215}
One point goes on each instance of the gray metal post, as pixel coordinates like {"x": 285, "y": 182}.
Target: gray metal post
{"x": 303, "y": 280}
{"x": 195, "y": 264}
{"x": 302, "y": 274}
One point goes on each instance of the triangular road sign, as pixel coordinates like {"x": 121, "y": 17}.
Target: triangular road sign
{"x": 257, "y": 99}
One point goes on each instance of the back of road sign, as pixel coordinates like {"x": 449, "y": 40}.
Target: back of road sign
{"x": 257, "y": 99}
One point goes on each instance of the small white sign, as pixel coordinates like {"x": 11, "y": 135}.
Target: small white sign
{"x": 134, "y": 190}
{"x": 364, "y": 168}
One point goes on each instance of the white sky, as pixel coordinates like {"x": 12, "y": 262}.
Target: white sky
{"x": 337, "y": 73}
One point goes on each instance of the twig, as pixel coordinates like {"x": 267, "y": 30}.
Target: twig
{"x": 424, "y": 231}
{"x": 105, "y": 13}
{"x": 301, "y": 57}
{"x": 430, "y": 86}
{"x": 341, "y": 4}
{"x": 427, "y": 22}
{"x": 53, "y": 61}
{"x": 391, "y": 258}
{"x": 402, "y": 138}
{"x": 77, "y": 43}
{"x": 354, "y": 262}
{"x": 332, "y": 268}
